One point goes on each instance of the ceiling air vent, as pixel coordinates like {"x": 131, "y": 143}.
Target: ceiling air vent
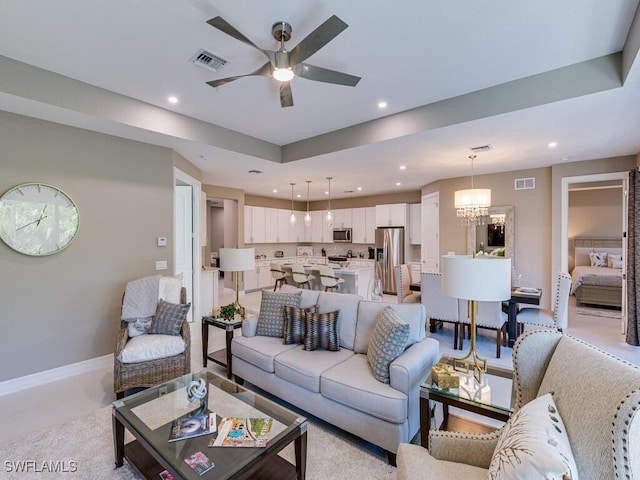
{"x": 205, "y": 59}
{"x": 525, "y": 183}
{"x": 480, "y": 148}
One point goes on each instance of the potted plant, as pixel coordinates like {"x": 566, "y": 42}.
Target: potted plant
{"x": 228, "y": 311}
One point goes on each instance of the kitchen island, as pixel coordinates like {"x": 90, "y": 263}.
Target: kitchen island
{"x": 356, "y": 278}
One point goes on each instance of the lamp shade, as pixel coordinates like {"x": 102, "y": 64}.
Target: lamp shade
{"x": 481, "y": 278}
{"x": 237, "y": 259}
{"x": 474, "y": 197}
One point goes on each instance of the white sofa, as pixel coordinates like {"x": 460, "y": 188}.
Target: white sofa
{"x": 339, "y": 387}
{"x": 597, "y": 397}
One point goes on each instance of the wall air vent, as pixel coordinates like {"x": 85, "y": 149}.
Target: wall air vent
{"x": 525, "y": 183}
{"x": 205, "y": 59}
{"x": 481, "y": 148}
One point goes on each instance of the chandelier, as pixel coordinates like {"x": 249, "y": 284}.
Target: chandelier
{"x": 472, "y": 205}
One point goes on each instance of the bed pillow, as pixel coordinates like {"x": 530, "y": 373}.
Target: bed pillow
{"x": 598, "y": 259}
{"x": 614, "y": 261}
{"x": 534, "y": 444}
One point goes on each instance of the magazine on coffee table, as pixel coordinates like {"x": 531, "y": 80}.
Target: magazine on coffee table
{"x": 193, "y": 425}
{"x": 242, "y": 432}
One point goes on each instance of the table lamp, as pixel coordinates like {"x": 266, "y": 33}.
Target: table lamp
{"x": 476, "y": 279}
{"x": 237, "y": 260}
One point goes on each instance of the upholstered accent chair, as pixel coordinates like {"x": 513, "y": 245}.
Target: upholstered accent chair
{"x": 597, "y": 397}
{"x": 278, "y": 275}
{"x": 403, "y": 284}
{"x": 439, "y": 307}
{"x": 151, "y": 372}
{"x": 558, "y": 317}
{"x": 490, "y": 316}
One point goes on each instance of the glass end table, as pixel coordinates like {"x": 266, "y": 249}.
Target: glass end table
{"x": 471, "y": 395}
{"x": 223, "y": 356}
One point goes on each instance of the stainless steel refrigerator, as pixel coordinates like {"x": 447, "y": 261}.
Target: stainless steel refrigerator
{"x": 389, "y": 253}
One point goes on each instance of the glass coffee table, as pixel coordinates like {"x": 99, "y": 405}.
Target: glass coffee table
{"x": 147, "y": 415}
{"x": 472, "y": 396}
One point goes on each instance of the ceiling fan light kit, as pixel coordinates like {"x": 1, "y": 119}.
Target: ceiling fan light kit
{"x": 283, "y": 65}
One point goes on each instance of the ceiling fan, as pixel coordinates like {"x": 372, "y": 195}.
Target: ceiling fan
{"x": 283, "y": 64}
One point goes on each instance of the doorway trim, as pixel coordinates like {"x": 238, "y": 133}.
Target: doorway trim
{"x": 196, "y": 186}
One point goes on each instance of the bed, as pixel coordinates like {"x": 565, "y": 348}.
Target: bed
{"x": 597, "y": 285}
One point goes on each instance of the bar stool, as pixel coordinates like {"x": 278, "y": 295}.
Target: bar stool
{"x": 301, "y": 277}
{"x": 328, "y": 279}
{"x": 279, "y": 275}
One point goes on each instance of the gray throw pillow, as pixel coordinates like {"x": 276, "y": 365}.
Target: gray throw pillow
{"x": 387, "y": 342}
{"x": 271, "y": 317}
{"x": 169, "y": 318}
{"x": 321, "y": 331}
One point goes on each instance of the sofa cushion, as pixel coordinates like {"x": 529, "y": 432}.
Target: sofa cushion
{"x": 271, "y": 317}
{"x": 294, "y": 323}
{"x": 303, "y": 368}
{"x": 352, "y": 383}
{"x": 309, "y": 297}
{"x": 151, "y": 347}
{"x": 368, "y": 313}
{"x": 534, "y": 444}
{"x": 169, "y": 318}
{"x": 347, "y": 304}
{"x": 321, "y": 331}
{"x": 414, "y": 461}
{"x": 259, "y": 350}
{"x": 387, "y": 342}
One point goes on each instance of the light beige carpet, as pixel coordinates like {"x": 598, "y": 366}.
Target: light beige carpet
{"x": 89, "y": 443}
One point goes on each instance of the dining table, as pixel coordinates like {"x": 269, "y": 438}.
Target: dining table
{"x": 519, "y": 295}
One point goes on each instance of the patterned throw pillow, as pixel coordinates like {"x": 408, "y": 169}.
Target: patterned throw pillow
{"x": 598, "y": 259}
{"x": 168, "y": 318}
{"x": 321, "y": 331}
{"x": 271, "y": 317}
{"x": 294, "y": 320}
{"x": 139, "y": 326}
{"x": 534, "y": 444}
{"x": 387, "y": 342}
{"x": 614, "y": 261}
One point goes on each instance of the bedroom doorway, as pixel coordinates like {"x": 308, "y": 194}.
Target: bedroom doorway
{"x": 606, "y": 188}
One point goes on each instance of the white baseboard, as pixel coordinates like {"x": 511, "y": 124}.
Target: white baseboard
{"x": 55, "y": 374}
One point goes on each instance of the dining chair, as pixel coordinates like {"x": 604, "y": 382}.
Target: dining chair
{"x": 439, "y": 307}
{"x": 279, "y": 275}
{"x": 490, "y": 316}
{"x": 302, "y": 278}
{"x": 558, "y": 317}
{"x": 329, "y": 280}
{"x": 403, "y": 284}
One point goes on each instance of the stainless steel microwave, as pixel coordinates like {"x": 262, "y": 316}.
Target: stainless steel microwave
{"x": 342, "y": 235}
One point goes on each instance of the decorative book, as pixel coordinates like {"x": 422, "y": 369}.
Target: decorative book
{"x": 192, "y": 425}
{"x": 242, "y": 432}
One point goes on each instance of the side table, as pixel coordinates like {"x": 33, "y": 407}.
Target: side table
{"x": 472, "y": 396}
{"x": 223, "y": 356}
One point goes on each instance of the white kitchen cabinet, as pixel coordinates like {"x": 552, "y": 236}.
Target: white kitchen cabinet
{"x": 343, "y": 218}
{"x": 250, "y": 279}
{"x": 364, "y": 225}
{"x": 414, "y": 270}
{"x": 287, "y": 232}
{"x": 271, "y": 225}
{"x": 370, "y": 226}
{"x": 320, "y": 231}
{"x": 254, "y": 224}
{"x": 264, "y": 274}
{"x": 415, "y": 224}
{"x": 391, "y": 215}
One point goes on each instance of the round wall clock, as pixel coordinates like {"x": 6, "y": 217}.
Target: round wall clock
{"x": 37, "y": 219}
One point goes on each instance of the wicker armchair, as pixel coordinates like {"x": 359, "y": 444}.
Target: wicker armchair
{"x": 152, "y": 372}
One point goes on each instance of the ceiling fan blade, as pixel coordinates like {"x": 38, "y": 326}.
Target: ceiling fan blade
{"x": 265, "y": 70}
{"x": 224, "y": 26}
{"x": 286, "y": 97}
{"x": 317, "y": 39}
{"x": 319, "y": 74}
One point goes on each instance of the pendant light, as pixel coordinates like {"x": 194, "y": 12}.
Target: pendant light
{"x": 329, "y": 217}
{"x": 307, "y": 216}
{"x": 472, "y": 205}
{"x": 292, "y": 217}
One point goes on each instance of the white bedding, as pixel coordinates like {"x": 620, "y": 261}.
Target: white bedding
{"x": 600, "y": 276}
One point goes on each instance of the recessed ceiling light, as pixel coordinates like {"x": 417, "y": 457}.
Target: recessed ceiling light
{"x": 275, "y": 190}
{"x": 326, "y": 192}
{"x": 382, "y": 104}
{"x": 398, "y": 184}
{"x": 359, "y": 189}
{"x": 298, "y": 196}
{"x": 552, "y": 144}
{"x": 403, "y": 167}
{"x": 172, "y": 99}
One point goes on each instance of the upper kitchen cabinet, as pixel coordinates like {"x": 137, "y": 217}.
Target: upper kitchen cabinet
{"x": 392, "y": 215}
{"x": 286, "y": 231}
{"x": 415, "y": 224}
{"x": 343, "y": 218}
{"x": 364, "y": 225}
{"x": 320, "y": 231}
{"x": 271, "y": 227}
{"x": 254, "y": 224}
